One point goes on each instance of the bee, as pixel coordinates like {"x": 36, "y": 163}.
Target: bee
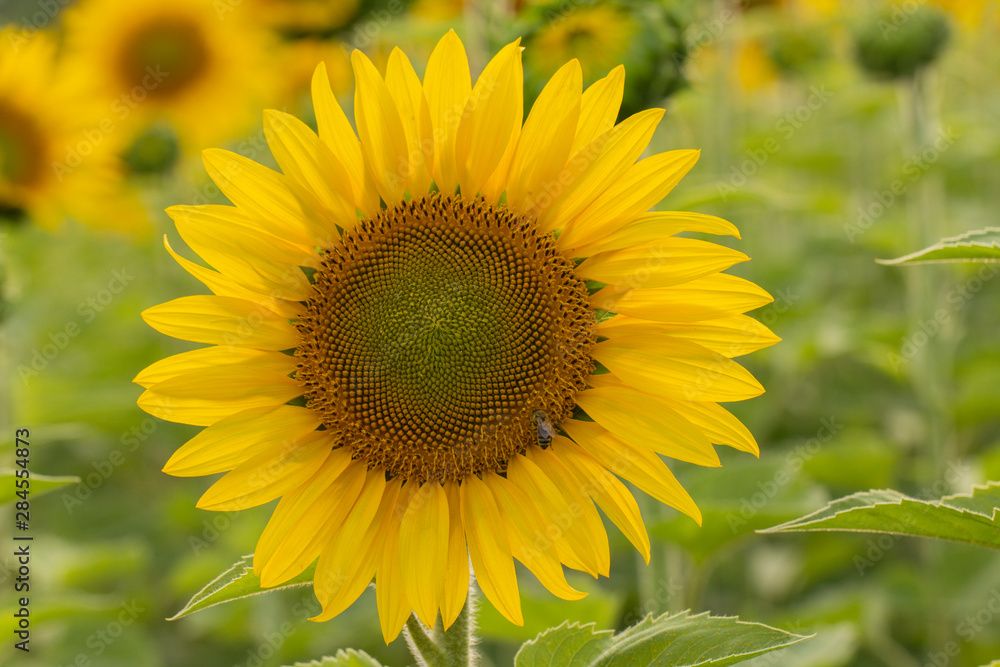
{"x": 543, "y": 427}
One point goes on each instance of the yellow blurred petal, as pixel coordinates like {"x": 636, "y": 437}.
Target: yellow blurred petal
{"x": 235, "y": 439}
{"x": 708, "y": 298}
{"x": 225, "y": 286}
{"x": 383, "y": 140}
{"x": 598, "y": 166}
{"x": 447, "y": 84}
{"x": 423, "y": 549}
{"x": 599, "y": 108}
{"x": 222, "y": 320}
{"x": 348, "y": 562}
{"x": 311, "y": 164}
{"x": 731, "y": 336}
{"x": 721, "y": 427}
{"x": 676, "y": 368}
{"x": 408, "y": 94}
{"x": 657, "y": 225}
{"x": 393, "y": 606}
{"x": 529, "y": 540}
{"x": 640, "y": 187}
{"x": 606, "y": 490}
{"x": 305, "y": 520}
{"x": 662, "y": 263}
{"x": 336, "y": 132}
{"x": 489, "y": 550}
{"x": 644, "y": 421}
{"x": 588, "y": 521}
{"x": 554, "y": 510}
{"x": 638, "y": 465}
{"x": 545, "y": 140}
{"x": 492, "y": 111}
{"x": 204, "y": 397}
{"x": 259, "y": 261}
{"x": 455, "y": 585}
{"x": 269, "y": 474}
{"x": 259, "y": 192}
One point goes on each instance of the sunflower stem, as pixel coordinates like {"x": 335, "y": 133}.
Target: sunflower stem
{"x": 426, "y": 652}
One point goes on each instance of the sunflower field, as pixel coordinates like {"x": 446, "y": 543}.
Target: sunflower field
{"x": 500, "y": 332}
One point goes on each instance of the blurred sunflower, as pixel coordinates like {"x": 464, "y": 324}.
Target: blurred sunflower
{"x": 297, "y": 62}
{"x": 56, "y": 160}
{"x": 404, "y": 342}
{"x": 305, "y": 17}
{"x": 197, "y": 64}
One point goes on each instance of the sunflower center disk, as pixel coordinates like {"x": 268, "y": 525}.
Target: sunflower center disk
{"x": 163, "y": 58}
{"x": 21, "y": 148}
{"x": 435, "y": 330}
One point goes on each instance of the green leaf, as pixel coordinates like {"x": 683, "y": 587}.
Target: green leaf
{"x": 680, "y": 640}
{"x": 39, "y": 484}
{"x": 236, "y": 583}
{"x": 970, "y": 518}
{"x": 348, "y": 658}
{"x": 981, "y": 245}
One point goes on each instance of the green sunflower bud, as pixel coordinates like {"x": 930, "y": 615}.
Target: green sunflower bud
{"x": 900, "y": 39}
{"x": 154, "y": 151}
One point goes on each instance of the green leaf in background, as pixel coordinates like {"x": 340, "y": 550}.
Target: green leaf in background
{"x": 981, "y": 245}
{"x": 348, "y": 658}
{"x": 970, "y": 518}
{"x": 39, "y": 484}
{"x": 680, "y": 640}
{"x": 236, "y": 583}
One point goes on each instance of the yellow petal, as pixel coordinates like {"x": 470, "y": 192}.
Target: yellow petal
{"x": 606, "y": 490}
{"x": 211, "y": 357}
{"x": 708, "y": 298}
{"x": 455, "y": 584}
{"x": 408, "y": 94}
{"x": 640, "y": 187}
{"x": 447, "y": 84}
{"x": 269, "y": 474}
{"x": 225, "y": 286}
{"x": 721, "y": 427}
{"x": 489, "y": 550}
{"x": 644, "y": 421}
{"x": 393, "y": 606}
{"x": 383, "y": 140}
{"x": 598, "y": 166}
{"x": 545, "y": 140}
{"x": 336, "y": 132}
{"x": 304, "y": 521}
{"x": 311, "y": 164}
{"x": 731, "y": 336}
{"x": 572, "y": 544}
{"x": 347, "y": 564}
{"x": 492, "y": 111}
{"x": 423, "y": 545}
{"x": 638, "y": 465}
{"x": 657, "y": 225}
{"x": 222, "y": 320}
{"x": 660, "y": 263}
{"x": 676, "y": 368}
{"x": 260, "y": 193}
{"x": 235, "y": 439}
{"x": 599, "y": 108}
{"x": 204, "y": 397}
{"x": 588, "y": 521}
{"x": 528, "y": 537}
{"x": 259, "y": 261}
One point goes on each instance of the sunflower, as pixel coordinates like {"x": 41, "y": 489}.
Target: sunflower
{"x": 55, "y": 161}
{"x": 197, "y": 64}
{"x": 304, "y": 17}
{"x": 450, "y": 334}
{"x": 298, "y": 59}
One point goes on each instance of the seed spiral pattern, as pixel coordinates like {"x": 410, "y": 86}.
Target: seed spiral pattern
{"x": 435, "y": 329}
